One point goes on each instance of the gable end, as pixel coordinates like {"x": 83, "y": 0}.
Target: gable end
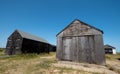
{"x": 82, "y": 23}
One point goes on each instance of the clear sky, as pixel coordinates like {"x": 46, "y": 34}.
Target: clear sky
{"x": 45, "y": 18}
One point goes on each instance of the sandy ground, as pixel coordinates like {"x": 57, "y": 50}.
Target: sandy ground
{"x": 25, "y": 66}
{"x": 85, "y": 67}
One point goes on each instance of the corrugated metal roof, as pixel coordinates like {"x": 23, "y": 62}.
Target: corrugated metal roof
{"x": 31, "y": 37}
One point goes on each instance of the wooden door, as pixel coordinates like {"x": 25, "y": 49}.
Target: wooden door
{"x": 85, "y": 51}
{"x": 67, "y": 48}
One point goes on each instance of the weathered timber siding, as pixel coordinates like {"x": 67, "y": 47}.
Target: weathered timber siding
{"x": 14, "y": 44}
{"x": 18, "y": 44}
{"x": 31, "y": 46}
{"x": 78, "y": 29}
{"x": 59, "y": 48}
{"x": 81, "y": 43}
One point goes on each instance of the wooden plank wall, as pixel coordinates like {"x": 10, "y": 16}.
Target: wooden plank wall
{"x": 86, "y": 44}
{"x": 99, "y": 49}
{"x": 59, "y": 51}
{"x": 14, "y": 44}
{"x": 84, "y": 49}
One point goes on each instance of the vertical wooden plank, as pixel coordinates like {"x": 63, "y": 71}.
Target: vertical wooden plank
{"x": 71, "y": 49}
{"x": 87, "y": 49}
{"x": 81, "y": 49}
{"x": 59, "y": 48}
{"x": 99, "y": 50}
{"x": 67, "y": 48}
{"x": 74, "y": 49}
{"x": 91, "y": 48}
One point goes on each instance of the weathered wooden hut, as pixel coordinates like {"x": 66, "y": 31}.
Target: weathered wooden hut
{"x": 22, "y": 42}
{"x": 53, "y": 48}
{"x": 80, "y": 42}
{"x": 109, "y": 49}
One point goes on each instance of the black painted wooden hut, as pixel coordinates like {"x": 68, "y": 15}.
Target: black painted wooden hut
{"x": 53, "y": 48}
{"x": 109, "y": 49}
{"x": 22, "y": 42}
{"x": 81, "y": 42}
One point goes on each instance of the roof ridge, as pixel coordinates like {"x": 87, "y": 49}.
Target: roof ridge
{"x": 30, "y": 36}
{"x": 109, "y": 46}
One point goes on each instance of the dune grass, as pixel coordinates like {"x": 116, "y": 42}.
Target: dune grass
{"x": 113, "y": 62}
{"x": 113, "y": 56}
{"x": 34, "y": 64}
{"x": 41, "y": 64}
{"x": 2, "y": 51}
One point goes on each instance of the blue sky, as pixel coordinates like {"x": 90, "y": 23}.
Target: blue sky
{"x": 45, "y": 18}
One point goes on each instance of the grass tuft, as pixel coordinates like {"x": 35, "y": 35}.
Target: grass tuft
{"x": 43, "y": 64}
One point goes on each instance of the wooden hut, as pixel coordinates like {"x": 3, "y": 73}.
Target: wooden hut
{"x": 80, "y": 42}
{"x": 53, "y": 48}
{"x": 109, "y": 49}
{"x": 22, "y": 42}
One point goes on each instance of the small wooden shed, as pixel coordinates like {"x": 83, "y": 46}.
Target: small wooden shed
{"x": 80, "y": 42}
{"x": 22, "y": 42}
{"x": 109, "y": 49}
